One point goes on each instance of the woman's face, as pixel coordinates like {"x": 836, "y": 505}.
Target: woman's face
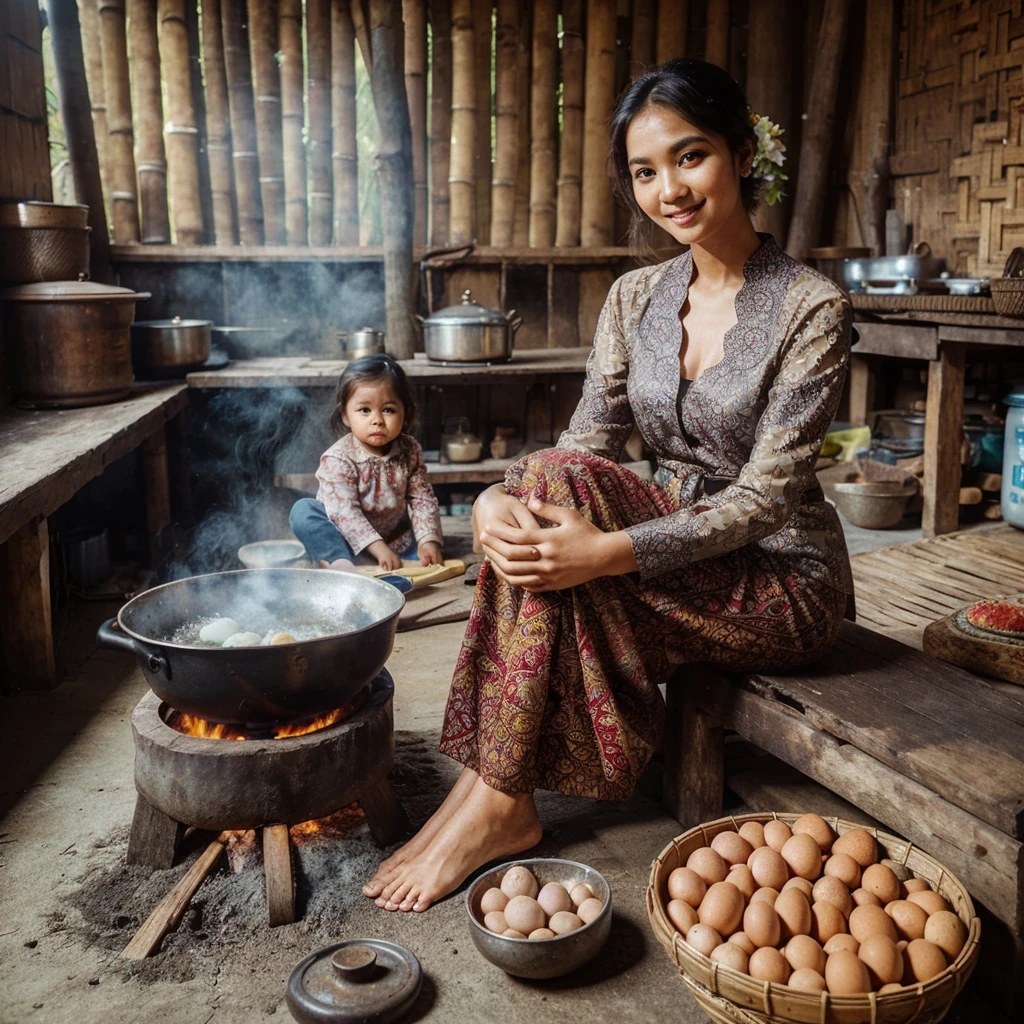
{"x": 685, "y": 179}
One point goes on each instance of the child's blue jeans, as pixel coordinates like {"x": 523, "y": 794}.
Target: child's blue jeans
{"x": 322, "y": 539}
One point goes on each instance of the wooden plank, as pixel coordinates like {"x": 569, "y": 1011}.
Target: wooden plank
{"x": 694, "y": 754}
{"x": 26, "y": 625}
{"x": 943, "y": 431}
{"x": 277, "y": 870}
{"x": 154, "y": 838}
{"x": 861, "y": 390}
{"x": 895, "y": 339}
{"x": 385, "y": 814}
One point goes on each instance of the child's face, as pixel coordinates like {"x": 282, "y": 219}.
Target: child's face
{"x": 375, "y": 416}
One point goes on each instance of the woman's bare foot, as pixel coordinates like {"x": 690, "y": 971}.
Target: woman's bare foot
{"x": 488, "y": 824}
{"x": 387, "y": 869}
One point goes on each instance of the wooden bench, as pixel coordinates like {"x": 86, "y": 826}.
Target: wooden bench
{"x": 931, "y": 751}
{"x": 45, "y": 457}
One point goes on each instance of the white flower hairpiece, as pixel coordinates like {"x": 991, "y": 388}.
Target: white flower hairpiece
{"x": 769, "y": 157}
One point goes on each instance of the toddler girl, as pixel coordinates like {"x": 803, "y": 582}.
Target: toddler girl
{"x": 374, "y": 499}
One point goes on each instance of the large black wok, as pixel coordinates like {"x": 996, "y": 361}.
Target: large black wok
{"x": 261, "y": 684}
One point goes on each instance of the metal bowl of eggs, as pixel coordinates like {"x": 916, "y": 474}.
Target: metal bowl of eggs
{"x": 559, "y": 916}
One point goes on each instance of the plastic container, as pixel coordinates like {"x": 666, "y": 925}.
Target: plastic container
{"x": 1013, "y": 460}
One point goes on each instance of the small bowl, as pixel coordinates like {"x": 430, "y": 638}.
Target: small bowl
{"x": 875, "y": 506}
{"x": 541, "y": 958}
{"x": 273, "y": 554}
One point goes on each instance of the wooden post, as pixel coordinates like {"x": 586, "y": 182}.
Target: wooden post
{"x": 343, "y": 118}
{"x": 218, "y": 126}
{"x": 524, "y": 49}
{"x": 150, "y": 160}
{"x": 816, "y": 144}
{"x": 943, "y": 432}
{"x": 79, "y": 125}
{"x": 440, "y": 118}
{"x": 394, "y": 170}
{"x": 461, "y": 182}
{"x": 570, "y": 157}
{"x": 482, "y": 26}
{"x": 641, "y": 42}
{"x": 124, "y": 208}
{"x": 506, "y": 123}
{"x": 672, "y": 31}
{"x": 243, "y": 121}
{"x": 157, "y": 482}
{"x": 716, "y": 37}
{"x": 318, "y": 85}
{"x": 861, "y": 390}
{"x": 598, "y": 208}
{"x": 195, "y": 72}
{"x": 89, "y": 22}
{"x": 277, "y": 869}
{"x": 357, "y": 9}
{"x": 266, "y": 80}
{"x": 543, "y": 124}
{"x": 414, "y": 15}
{"x": 293, "y": 119}
{"x": 384, "y": 812}
{"x": 154, "y": 838}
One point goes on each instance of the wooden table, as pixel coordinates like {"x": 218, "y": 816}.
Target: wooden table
{"x": 944, "y": 340}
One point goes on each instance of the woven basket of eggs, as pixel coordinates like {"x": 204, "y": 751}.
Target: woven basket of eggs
{"x": 831, "y": 921}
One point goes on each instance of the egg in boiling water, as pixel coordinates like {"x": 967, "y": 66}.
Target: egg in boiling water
{"x": 217, "y": 631}
{"x": 243, "y": 639}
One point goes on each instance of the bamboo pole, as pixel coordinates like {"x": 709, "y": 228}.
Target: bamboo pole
{"x": 598, "y": 208}
{"x": 461, "y": 181}
{"x": 672, "y": 29}
{"x": 816, "y": 144}
{"x": 543, "y": 124}
{"x": 394, "y": 170}
{"x": 218, "y": 126}
{"x": 89, "y": 29}
{"x": 570, "y": 158}
{"x": 244, "y": 160}
{"x": 524, "y": 49}
{"x": 266, "y": 81}
{"x": 343, "y": 118}
{"x": 76, "y": 115}
{"x": 357, "y": 9}
{"x": 440, "y": 118}
{"x": 482, "y": 29}
{"x": 318, "y": 85}
{"x": 195, "y": 71}
{"x": 293, "y": 119}
{"x": 150, "y": 160}
{"x": 716, "y": 37}
{"x": 641, "y": 42}
{"x": 414, "y": 15}
{"x": 506, "y": 103}
{"x": 124, "y": 209}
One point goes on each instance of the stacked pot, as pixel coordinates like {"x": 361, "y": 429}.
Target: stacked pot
{"x": 67, "y": 338}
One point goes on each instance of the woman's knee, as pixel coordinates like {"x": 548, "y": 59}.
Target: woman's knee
{"x": 552, "y": 469}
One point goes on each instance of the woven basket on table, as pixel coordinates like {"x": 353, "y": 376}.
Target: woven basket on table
{"x": 729, "y": 997}
{"x": 1008, "y": 290}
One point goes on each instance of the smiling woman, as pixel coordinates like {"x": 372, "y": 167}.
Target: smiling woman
{"x": 730, "y": 361}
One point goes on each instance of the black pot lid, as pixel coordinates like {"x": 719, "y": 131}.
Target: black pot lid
{"x": 354, "y": 981}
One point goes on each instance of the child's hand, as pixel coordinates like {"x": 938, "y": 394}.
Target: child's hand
{"x": 430, "y": 554}
{"x": 386, "y": 558}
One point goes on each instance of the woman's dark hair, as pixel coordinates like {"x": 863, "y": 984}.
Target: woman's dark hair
{"x": 375, "y": 369}
{"x": 704, "y": 95}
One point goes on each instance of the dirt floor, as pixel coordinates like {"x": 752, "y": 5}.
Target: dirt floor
{"x": 68, "y": 904}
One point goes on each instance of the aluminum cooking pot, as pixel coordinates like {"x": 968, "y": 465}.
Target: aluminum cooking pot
{"x": 364, "y": 342}
{"x": 261, "y": 684}
{"x": 469, "y": 333}
{"x": 173, "y": 344}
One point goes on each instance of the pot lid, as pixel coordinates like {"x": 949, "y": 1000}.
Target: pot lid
{"x": 467, "y": 312}
{"x": 69, "y": 291}
{"x": 354, "y": 981}
{"x": 1015, "y": 398}
{"x": 175, "y": 321}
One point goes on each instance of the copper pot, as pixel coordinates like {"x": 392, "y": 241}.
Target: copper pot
{"x": 69, "y": 342}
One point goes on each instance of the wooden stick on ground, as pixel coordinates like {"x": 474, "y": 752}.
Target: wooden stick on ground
{"x": 277, "y": 870}
{"x": 169, "y": 912}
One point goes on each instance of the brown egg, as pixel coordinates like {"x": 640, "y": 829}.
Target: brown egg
{"x": 922, "y": 960}
{"x": 794, "y": 913}
{"x": 845, "y": 975}
{"x": 908, "y": 917}
{"x": 553, "y": 898}
{"x": 742, "y": 877}
{"x": 588, "y": 910}
{"x": 776, "y": 833}
{"x": 722, "y": 908}
{"x": 878, "y": 879}
{"x": 563, "y": 922}
{"x": 767, "y": 964}
{"x": 703, "y": 938}
{"x": 525, "y": 914}
{"x": 802, "y": 855}
{"x": 902, "y": 945}
{"x": 841, "y": 940}
{"x": 901, "y": 871}
{"x": 541, "y": 933}
{"x": 882, "y": 959}
{"x": 708, "y": 864}
{"x": 893, "y": 986}
{"x": 803, "y": 951}
{"x": 729, "y": 954}
{"x": 845, "y": 868}
{"x": 868, "y": 920}
{"x": 732, "y": 847}
{"x": 753, "y": 832}
{"x": 826, "y": 920}
{"x": 581, "y": 892}
{"x": 680, "y": 913}
{"x": 513, "y": 933}
{"x": 860, "y": 845}
{"x": 915, "y": 885}
{"x": 742, "y": 940}
{"x": 862, "y": 898}
{"x": 494, "y": 921}
{"x": 806, "y": 980}
{"x": 930, "y": 902}
{"x": 815, "y": 826}
{"x": 947, "y": 931}
{"x": 761, "y": 924}
{"x": 686, "y": 884}
{"x": 765, "y": 894}
{"x": 768, "y": 867}
{"x": 828, "y": 889}
{"x": 519, "y": 881}
{"x": 493, "y": 899}
{"x": 803, "y": 885}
